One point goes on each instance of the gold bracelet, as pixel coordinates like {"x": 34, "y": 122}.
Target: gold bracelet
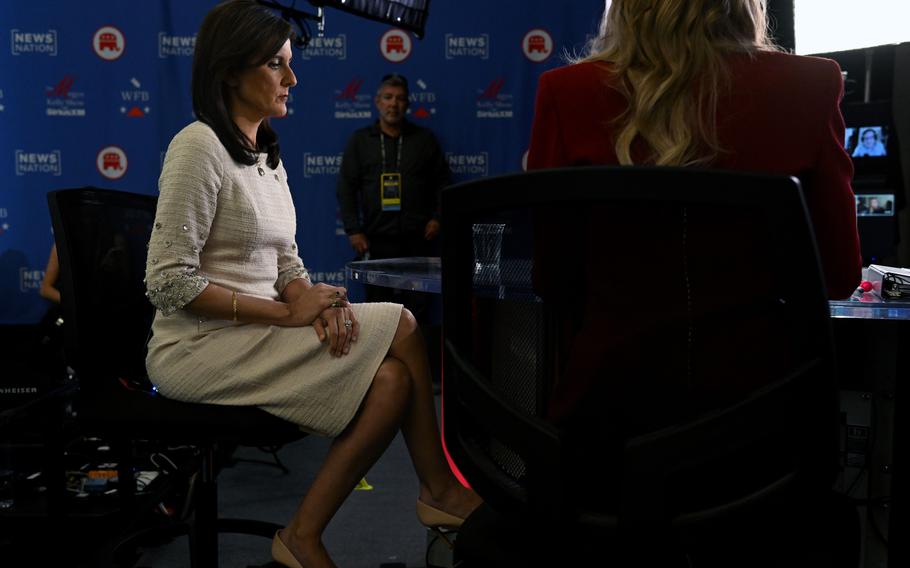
{"x": 234, "y": 304}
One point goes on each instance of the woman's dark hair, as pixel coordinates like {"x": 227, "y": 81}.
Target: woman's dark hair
{"x": 235, "y": 35}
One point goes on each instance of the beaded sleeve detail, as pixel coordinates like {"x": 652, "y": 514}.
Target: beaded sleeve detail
{"x": 172, "y": 291}
{"x": 285, "y": 278}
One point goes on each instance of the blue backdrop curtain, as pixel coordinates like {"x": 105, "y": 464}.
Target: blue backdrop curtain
{"x": 92, "y": 91}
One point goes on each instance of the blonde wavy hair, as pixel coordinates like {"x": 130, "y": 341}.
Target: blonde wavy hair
{"x": 669, "y": 61}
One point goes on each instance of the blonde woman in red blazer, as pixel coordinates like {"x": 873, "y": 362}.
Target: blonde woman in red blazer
{"x": 682, "y": 83}
{"x": 634, "y": 101}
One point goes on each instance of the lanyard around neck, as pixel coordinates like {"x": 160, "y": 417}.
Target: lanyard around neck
{"x": 382, "y": 150}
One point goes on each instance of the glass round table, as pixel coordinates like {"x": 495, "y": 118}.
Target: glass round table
{"x": 424, "y": 274}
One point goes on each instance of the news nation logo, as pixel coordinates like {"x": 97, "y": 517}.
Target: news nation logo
{"x": 315, "y": 165}
{"x": 492, "y": 102}
{"x": 334, "y": 278}
{"x": 537, "y": 45}
{"x": 422, "y": 103}
{"x": 30, "y": 279}
{"x": 395, "y": 45}
{"x": 350, "y": 103}
{"x": 332, "y": 47}
{"x": 111, "y": 162}
{"x": 38, "y": 163}
{"x": 468, "y": 46}
{"x": 24, "y": 43}
{"x": 170, "y": 45}
{"x": 477, "y": 164}
{"x": 62, "y": 100}
{"x": 135, "y": 100}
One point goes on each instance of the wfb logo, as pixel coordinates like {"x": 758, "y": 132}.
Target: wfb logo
{"x": 135, "y": 100}
{"x": 537, "y": 45}
{"x": 109, "y": 43}
{"x": 30, "y": 279}
{"x": 44, "y": 43}
{"x": 321, "y": 165}
{"x": 477, "y": 164}
{"x": 111, "y": 162}
{"x": 395, "y": 45}
{"x": 468, "y": 46}
{"x": 332, "y": 47}
{"x": 422, "y": 102}
{"x": 170, "y": 45}
{"x": 38, "y": 163}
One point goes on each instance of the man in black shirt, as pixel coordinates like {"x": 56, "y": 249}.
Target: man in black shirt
{"x": 388, "y": 188}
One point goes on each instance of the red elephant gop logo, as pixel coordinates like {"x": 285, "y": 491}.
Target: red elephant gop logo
{"x": 108, "y": 43}
{"x": 537, "y": 45}
{"x": 111, "y": 162}
{"x": 395, "y": 45}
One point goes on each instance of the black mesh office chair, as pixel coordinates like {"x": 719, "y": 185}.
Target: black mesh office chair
{"x": 101, "y": 242}
{"x": 638, "y": 370}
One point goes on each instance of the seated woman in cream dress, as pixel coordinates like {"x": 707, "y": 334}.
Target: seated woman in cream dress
{"x": 240, "y": 323}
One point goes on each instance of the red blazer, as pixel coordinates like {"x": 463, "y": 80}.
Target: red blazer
{"x": 782, "y": 115}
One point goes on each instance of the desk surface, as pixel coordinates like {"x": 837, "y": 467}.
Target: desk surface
{"x": 418, "y": 273}
{"x": 424, "y": 274}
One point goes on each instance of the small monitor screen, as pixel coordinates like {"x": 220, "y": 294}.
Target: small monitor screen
{"x": 867, "y": 141}
{"x": 875, "y": 205}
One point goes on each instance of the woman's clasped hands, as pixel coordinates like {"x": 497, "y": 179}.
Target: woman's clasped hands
{"x": 331, "y": 315}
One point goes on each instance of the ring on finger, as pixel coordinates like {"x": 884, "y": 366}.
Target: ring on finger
{"x": 348, "y": 323}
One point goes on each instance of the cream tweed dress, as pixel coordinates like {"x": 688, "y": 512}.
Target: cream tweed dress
{"x": 223, "y": 223}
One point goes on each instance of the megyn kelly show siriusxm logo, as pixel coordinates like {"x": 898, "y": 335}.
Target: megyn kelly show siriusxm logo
{"x": 493, "y": 101}
{"x": 62, "y": 100}
{"x": 351, "y": 103}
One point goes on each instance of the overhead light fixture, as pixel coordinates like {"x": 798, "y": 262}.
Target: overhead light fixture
{"x": 409, "y": 15}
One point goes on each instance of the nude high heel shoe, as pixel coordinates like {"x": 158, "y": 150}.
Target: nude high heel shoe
{"x": 282, "y": 554}
{"x": 434, "y": 518}
{"x": 439, "y": 522}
